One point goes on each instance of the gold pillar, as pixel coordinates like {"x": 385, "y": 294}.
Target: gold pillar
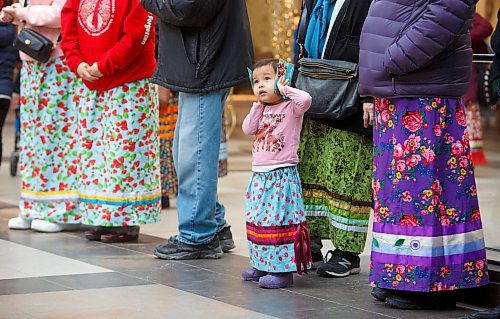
{"x": 284, "y": 21}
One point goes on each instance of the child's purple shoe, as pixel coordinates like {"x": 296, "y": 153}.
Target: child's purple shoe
{"x": 276, "y": 280}
{"x": 252, "y": 274}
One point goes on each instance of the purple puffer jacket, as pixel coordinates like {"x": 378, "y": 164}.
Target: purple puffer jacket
{"x": 416, "y": 48}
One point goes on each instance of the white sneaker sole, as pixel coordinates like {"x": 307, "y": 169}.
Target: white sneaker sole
{"x": 19, "y": 224}
{"x": 45, "y": 226}
{"x": 353, "y": 271}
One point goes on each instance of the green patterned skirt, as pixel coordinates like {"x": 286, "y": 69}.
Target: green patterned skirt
{"x": 336, "y": 172}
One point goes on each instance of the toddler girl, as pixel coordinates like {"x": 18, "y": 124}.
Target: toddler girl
{"x": 276, "y": 224}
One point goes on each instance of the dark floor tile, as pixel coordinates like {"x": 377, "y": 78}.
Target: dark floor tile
{"x": 67, "y": 282}
{"x": 4, "y": 205}
{"x": 229, "y": 264}
{"x": 174, "y": 274}
{"x": 28, "y": 285}
{"x": 98, "y": 280}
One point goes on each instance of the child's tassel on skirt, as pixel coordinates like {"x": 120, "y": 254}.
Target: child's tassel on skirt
{"x": 302, "y": 248}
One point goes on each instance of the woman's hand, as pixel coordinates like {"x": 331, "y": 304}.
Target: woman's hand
{"x": 83, "y": 71}
{"x": 367, "y": 114}
{"x": 94, "y": 70}
{"x": 5, "y": 17}
{"x": 281, "y": 84}
{"x": 14, "y": 102}
{"x": 12, "y": 11}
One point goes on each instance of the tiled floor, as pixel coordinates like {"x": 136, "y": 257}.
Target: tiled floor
{"x": 64, "y": 276}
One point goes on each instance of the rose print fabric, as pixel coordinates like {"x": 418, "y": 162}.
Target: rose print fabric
{"x": 274, "y": 211}
{"x": 427, "y": 233}
{"x": 336, "y": 171}
{"x": 119, "y": 161}
{"x": 475, "y": 130}
{"x": 48, "y": 152}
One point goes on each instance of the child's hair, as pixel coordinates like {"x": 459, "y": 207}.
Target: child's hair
{"x": 272, "y": 62}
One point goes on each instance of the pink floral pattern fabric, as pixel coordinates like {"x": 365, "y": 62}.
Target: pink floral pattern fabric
{"x": 274, "y": 212}
{"x": 119, "y": 166}
{"x": 48, "y": 151}
{"x": 427, "y": 232}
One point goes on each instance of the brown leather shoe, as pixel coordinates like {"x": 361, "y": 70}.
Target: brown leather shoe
{"x": 96, "y": 232}
{"x": 123, "y": 235}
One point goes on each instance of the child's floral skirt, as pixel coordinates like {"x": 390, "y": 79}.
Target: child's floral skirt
{"x": 48, "y": 151}
{"x": 427, "y": 233}
{"x": 274, "y": 214}
{"x": 119, "y": 163}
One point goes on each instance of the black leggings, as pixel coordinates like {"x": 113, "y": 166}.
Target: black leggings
{"x": 4, "y": 109}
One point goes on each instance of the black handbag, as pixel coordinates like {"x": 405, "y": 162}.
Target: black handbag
{"x": 332, "y": 84}
{"x": 34, "y": 44}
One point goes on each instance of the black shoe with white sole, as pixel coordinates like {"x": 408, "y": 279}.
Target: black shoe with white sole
{"x": 340, "y": 264}
{"x": 173, "y": 249}
{"x": 317, "y": 256}
{"x": 226, "y": 239}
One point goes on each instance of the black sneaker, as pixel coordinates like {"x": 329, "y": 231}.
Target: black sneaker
{"x": 411, "y": 300}
{"x": 174, "y": 249}
{"x": 380, "y": 294}
{"x": 226, "y": 239}
{"x": 165, "y": 202}
{"x": 317, "y": 256}
{"x": 340, "y": 264}
{"x": 486, "y": 314}
{"x": 317, "y": 259}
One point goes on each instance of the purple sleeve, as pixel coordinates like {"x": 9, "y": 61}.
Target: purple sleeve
{"x": 440, "y": 23}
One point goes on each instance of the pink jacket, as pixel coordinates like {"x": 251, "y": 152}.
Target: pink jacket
{"x": 277, "y": 128}
{"x": 43, "y": 16}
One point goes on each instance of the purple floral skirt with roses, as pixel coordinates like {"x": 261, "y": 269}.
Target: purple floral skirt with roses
{"x": 427, "y": 233}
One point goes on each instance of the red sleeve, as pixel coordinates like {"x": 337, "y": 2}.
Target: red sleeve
{"x": 69, "y": 40}
{"x": 481, "y": 29}
{"x": 138, "y": 27}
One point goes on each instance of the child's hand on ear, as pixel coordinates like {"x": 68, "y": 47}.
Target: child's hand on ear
{"x": 281, "y": 84}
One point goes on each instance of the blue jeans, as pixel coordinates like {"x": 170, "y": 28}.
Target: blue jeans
{"x": 196, "y": 154}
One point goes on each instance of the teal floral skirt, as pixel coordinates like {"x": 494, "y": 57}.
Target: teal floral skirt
{"x": 48, "y": 143}
{"x": 119, "y": 164}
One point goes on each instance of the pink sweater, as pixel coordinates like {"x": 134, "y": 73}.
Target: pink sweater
{"x": 277, "y": 128}
{"x": 43, "y": 16}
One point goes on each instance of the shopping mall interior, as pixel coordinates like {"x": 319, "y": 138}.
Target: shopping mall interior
{"x": 62, "y": 275}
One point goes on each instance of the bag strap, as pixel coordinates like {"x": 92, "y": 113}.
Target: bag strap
{"x": 307, "y": 6}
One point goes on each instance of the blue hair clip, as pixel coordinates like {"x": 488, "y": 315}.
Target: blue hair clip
{"x": 250, "y": 75}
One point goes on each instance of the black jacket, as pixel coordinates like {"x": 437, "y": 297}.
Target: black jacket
{"x": 204, "y": 45}
{"x": 343, "y": 44}
{"x": 8, "y": 58}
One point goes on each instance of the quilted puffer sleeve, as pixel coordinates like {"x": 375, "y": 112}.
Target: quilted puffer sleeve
{"x": 440, "y": 22}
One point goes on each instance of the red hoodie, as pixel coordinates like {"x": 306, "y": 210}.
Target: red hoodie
{"x": 117, "y": 34}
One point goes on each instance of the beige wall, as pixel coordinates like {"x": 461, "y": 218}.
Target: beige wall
{"x": 260, "y": 21}
{"x": 488, "y": 9}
